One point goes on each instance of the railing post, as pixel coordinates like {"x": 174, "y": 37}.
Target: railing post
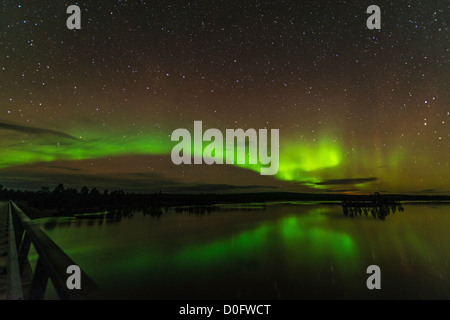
{"x": 14, "y": 283}
{"x": 39, "y": 282}
{"x": 18, "y": 227}
{"x": 23, "y": 252}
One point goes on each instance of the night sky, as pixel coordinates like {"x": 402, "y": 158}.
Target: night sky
{"x": 358, "y": 110}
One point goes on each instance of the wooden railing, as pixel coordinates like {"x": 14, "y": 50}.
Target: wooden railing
{"x": 52, "y": 262}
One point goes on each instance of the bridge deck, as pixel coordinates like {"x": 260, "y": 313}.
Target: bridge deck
{"x": 3, "y": 248}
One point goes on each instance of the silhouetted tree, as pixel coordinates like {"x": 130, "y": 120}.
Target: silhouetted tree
{"x": 59, "y": 189}
{"x": 94, "y": 192}
{"x": 84, "y": 190}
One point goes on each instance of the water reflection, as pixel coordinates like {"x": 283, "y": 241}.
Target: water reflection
{"x": 284, "y": 251}
{"x": 118, "y": 215}
{"x": 378, "y": 207}
{"x": 208, "y": 209}
{"x": 253, "y": 253}
{"x": 302, "y": 236}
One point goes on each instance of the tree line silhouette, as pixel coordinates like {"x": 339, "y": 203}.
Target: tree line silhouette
{"x": 62, "y": 201}
{"x": 67, "y": 201}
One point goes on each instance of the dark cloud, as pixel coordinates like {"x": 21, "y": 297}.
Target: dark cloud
{"x": 219, "y": 188}
{"x": 346, "y": 181}
{"x": 64, "y": 168}
{"x": 34, "y": 130}
{"x": 432, "y": 191}
{"x": 342, "y": 190}
{"x": 35, "y": 180}
{"x": 133, "y": 182}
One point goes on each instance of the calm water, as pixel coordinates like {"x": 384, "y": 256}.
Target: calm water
{"x": 281, "y": 251}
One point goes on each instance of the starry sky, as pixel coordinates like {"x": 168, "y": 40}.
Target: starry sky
{"x": 358, "y": 110}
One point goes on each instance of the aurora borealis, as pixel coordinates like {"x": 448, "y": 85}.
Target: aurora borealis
{"x": 358, "y": 110}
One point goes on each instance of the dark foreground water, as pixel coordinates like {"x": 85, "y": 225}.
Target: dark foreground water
{"x": 280, "y": 251}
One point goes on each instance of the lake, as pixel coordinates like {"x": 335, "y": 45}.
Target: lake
{"x": 260, "y": 251}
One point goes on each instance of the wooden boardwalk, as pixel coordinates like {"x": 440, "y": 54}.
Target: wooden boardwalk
{"x": 17, "y": 279}
{"x": 3, "y": 248}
